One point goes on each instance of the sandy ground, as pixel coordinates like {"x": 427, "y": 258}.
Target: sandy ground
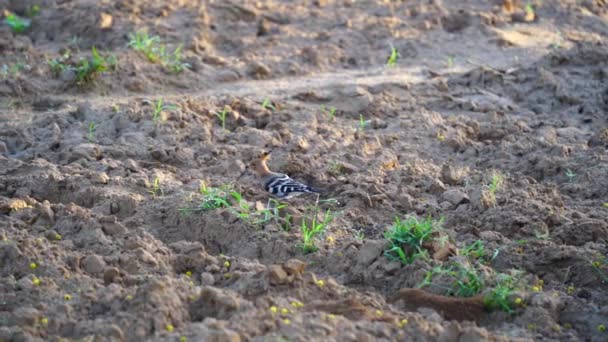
{"x": 95, "y": 244}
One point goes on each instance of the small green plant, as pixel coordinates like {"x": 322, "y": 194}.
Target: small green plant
{"x": 570, "y": 175}
{"x": 267, "y": 104}
{"x": 156, "y": 189}
{"x": 87, "y": 70}
{"x": 60, "y": 63}
{"x": 13, "y": 70}
{"x": 155, "y": 52}
{"x": 314, "y": 227}
{"x": 32, "y": 11}
{"x": 91, "y": 132}
{"x": 362, "y": 123}
{"x": 465, "y": 280}
{"x": 359, "y": 235}
{"x": 597, "y": 267}
{"x": 407, "y": 236}
{"x": 271, "y": 212}
{"x": 330, "y": 112}
{"x": 450, "y": 61}
{"x": 529, "y": 9}
{"x": 393, "y": 57}
{"x": 336, "y": 167}
{"x": 222, "y": 116}
{"x": 159, "y": 107}
{"x": 16, "y": 23}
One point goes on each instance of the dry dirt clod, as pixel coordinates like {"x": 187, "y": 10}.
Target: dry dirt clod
{"x": 93, "y": 264}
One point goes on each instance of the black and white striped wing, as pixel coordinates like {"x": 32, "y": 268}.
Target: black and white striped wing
{"x": 286, "y": 187}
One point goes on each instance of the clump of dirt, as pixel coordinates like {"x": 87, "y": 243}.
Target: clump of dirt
{"x": 128, "y": 212}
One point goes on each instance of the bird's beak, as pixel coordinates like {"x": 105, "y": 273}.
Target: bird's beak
{"x": 243, "y": 173}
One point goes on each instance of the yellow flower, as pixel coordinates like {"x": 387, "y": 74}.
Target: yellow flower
{"x": 284, "y": 311}
{"x": 601, "y": 328}
{"x": 330, "y": 239}
{"x": 67, "y": 297}
{"x": 567, "y": 325}
{"x": 605, "y": 205}
{"x": 169, "y": 327}
{"x": 129, "y": 297}
{"x": 535, "y": 288}
{"x": 402, "y": 323}
{"x": 518, "y": 300}
{"x": 331, "y": 316}
{"x": 297, "y": 304}
{"x": 57, "y": 237}
{"x": 189, "y": 273}
{"x": 379, "y": 313}
{"x": 33, "y": 265}
{"x": 557, "y": 328}
{"x": 287, "y": 321}
{"x": 597, "y": 264}
{"x": 44, "y": 321}
{"x": 274, "y": 309}
{"x": 36, "y": 281}
{"x": 227, "y": 264}
{"x": 320, "y": 283}
{"x": 227, "y": 275}
{"x": 183, "y": 339}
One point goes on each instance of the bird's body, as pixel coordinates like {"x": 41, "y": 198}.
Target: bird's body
{"x": 278, "y": 184}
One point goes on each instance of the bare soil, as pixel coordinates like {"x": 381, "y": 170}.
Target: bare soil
{"x": 89, "y": 251}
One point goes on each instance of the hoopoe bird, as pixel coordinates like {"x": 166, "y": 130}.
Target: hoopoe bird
{"x": 278, "y": 184}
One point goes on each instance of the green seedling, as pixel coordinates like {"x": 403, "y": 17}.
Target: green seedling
{"x": 450, "y": 61}
{"x": 529, "y": 9}
{"x": 212, "y": 198}
{"x": 13, "y": 70}
{"x": 336, "y": 167}
{"x": 32, "y": 11}
{"x": 91, "y": 132}
{"x": 155, "y": 52}
{"x": 331, "y": 112}
{"x": 393, "y": 57}
{"x": 271, "y": 212}
{"x": 466, "y": 281}
{"x": 87, "y": 70}
{"x": 314, "y": 227}
{"x": 156, "y": 189}
{"x": 16, "y": 23}
{"x": 571, "y": 175}
{"x": 359, "y": 235}
{"x": 222, "y": 116}
{"x": 267, "y": 104}
{"x": 159, "y": 107}
{"x": 407, "y": 236}
{"x": 149, "y": 46}
{"x": 362, "y": 123}
{"x": 60, "y": 64}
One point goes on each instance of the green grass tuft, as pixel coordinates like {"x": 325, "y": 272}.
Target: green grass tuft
{"x": 407, "y": 236}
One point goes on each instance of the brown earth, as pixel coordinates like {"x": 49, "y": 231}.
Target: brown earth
{"x": 88, "y": 253}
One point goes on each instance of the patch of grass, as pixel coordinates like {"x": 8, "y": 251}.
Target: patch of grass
{"x": 159, "y": 107}
{"x": 60, "y": 63}
{"x": 267, "y": 104}
{"x": 466, "y": 281}
{"x": 359, "y": 235}
{"x": 16, "y": 23}
{"x": 91, "y": 132}
{"x": 156, "y": 52}
{"x": 475, "y": 251}
{"x": 156, "y": 189}
{"x": 407, "y": 236}
{"x": 314, "y": 227}
{"x": 222, "y": 116}
{"x": 495, "y": 185}
{"x": 500, "y": 297}
{"x": 570, "y": 175}
{"x": 393, "y": 57}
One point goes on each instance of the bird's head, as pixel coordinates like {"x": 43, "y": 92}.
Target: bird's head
{"x": 258, "y": 165}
